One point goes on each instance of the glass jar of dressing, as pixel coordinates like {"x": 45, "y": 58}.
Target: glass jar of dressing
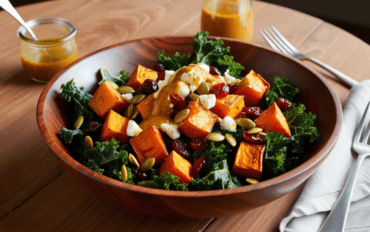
{"x": 228, "y": 18}
{"x": 55, "y": 48}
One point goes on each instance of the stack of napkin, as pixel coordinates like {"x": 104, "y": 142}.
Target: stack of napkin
{"x": 325, "y": 185}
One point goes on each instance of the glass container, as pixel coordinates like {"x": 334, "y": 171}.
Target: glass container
{"x": 55, "y": 48}
{"x": 228, "y": 18}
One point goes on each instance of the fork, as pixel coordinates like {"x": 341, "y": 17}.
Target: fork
{"x": 336, "y": 219}
{"x": 277, "y": 41}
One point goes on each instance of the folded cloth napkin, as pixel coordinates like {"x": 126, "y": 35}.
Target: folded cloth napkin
{"x": 325, "y": 185}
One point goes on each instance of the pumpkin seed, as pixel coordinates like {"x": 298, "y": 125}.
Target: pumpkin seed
{"x": 182, "y": 115}
{"x": 89, "y": 142}
{"x": 219, "y": 120}
{"x": 124, "y": 173}
{"x": 254, "y": 130}
{"x": 194, "y": 97}
{"x": 135, "y": 113}
{"x": 203, "y": 88}
{"x": 230, "y": 139}
{"x": 126, "y": 89}
{"x": 263, "y": 134}
{"x": 114, "y": 85}
{"x": 245, "y": 123}
{"x": 147, "y": 165}
{"x": 79, "y": 122}
{"x": 133, "y": 160}
{"x": 252, "y": 181}
{"x": 137, "y": 99}
{"x": 128, "y": 111}
{"x": 215, "y": 137}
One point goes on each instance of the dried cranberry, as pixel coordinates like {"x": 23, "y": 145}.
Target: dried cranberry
{"x": 283, "y": 103}
{"x": 199, "y": 144}
{"x": 149, "y": 86}
{"x": 140, "y": 175}
{"x": 93, "y": 127}
{"x": 181, "y": 148}
{"x": 220, "y": 90}
{"x": 161, "y": 76}
{"x": 198, "y": 166}
{"x": 232, "y": 88}
{"x": 159, "y": 67}
{"x": 253, "y": 138}
{"x": 214, "y": 71}
{"x": 178, "y": 100}
{"x": 252, "y": 112}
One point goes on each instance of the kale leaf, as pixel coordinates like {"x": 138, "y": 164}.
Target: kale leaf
{"x": 280, "y": 87}
{"x": 79, "y": 98}
{"x": 166, "y": 181}
{"x": 218, "y": 178}
{"x": 68, "y": 135}
{"x": 107, "y": 76}
{"x": 106, "y": 158}
{"x": 227, "y": 63}
{"x": 175, "y": 62}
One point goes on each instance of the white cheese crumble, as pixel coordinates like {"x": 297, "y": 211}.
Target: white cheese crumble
{"x": 184, "y": 90}
{"x": 127, "y": 96}
{"x": 193, "y": 88}
{"x": 204, "y": 66}
{"x": 228, "y": 124}
{"x": 207, "y": 100}
{"x": 133, "y": 129}
{"x": 229, "y": 79}
{"x": 171, "y": 130}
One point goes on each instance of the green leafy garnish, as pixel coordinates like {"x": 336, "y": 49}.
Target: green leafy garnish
{"x": 280, "y": 87}
{"x": 68, "y": 135}
{"x": 218, "y": 178}
{"x": 166, "y": 181}
{"x": 107, "y": 76}
{"x": 79, "y": 98}
{"x": 175, "y": 62}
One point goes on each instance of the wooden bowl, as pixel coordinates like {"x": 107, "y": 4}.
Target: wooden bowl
{"x": 315, "y": 93}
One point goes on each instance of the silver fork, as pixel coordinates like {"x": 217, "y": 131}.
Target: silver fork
{"x": 336, "y": 219}
{"x": 277, "y": 41}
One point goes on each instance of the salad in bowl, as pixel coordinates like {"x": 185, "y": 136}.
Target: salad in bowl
{"x": 191, "y": 122}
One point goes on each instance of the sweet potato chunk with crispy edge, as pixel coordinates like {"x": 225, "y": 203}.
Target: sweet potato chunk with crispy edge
{"x": 139, "y": 75}
{"x": 231, "y": 105}
{"x": 248, "y": 160}
{"x": 149, "y": 144}
{"x": 273, "y": 120}
{"x": 115, "y": 126}
{"x": 145, "y": 106}
{"x": 107, "y": 98}
{"x": 177, "y": 166}
{"x": 253, "y": 87}
{"x": 199, "y": 122}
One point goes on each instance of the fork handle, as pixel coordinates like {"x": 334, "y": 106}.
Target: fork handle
{"x": 336, "y": 219}
{"x": 346, "y": 79}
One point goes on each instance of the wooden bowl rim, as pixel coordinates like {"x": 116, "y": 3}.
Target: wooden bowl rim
{"x": 62, "y": 154}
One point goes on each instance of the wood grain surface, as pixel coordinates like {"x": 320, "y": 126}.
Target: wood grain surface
{"x": 36, "y": 194}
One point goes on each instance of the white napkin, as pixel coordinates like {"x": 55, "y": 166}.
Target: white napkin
{"x": 325, "y": 185}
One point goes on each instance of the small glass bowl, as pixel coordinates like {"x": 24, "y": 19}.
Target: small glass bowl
{"x": 55, "y": 48}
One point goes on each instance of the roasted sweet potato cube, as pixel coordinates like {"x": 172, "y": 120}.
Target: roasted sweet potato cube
{"x": 107, "y": 98}
{"x": 115, "y": 126}
{"x": 252, "y": 87}
{"x": 199, "y": 122}
{"x": 177, "y": 166}
{"x": 248, "y": 160}
{"x": 149, "y": 144}
{"x": 145, "y": 106}
{"x": 273, "y": 120}
{"x": 231, "y": 105}
{"x": 139, "y": 75}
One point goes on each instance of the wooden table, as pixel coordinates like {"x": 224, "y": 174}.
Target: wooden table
{"x": 36, "y": 194}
